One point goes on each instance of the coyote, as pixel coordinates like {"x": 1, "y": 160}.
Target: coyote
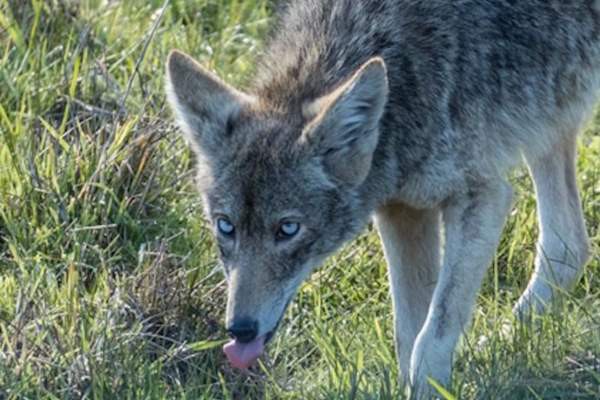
{"x": 408, "y": 113}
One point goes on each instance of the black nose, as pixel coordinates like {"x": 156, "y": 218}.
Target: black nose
{"x": 244, "y": 330}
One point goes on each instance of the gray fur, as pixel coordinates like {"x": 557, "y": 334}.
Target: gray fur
{"x": 472, "y": 87}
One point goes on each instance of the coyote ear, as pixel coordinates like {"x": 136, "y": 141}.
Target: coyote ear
{"x": 344, "y": 126}
{"x": 201, "y": 101}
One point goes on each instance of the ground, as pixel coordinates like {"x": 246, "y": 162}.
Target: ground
{"x": 110, "y": 285}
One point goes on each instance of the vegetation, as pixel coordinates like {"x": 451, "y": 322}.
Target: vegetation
{"x": 108, "y": 278}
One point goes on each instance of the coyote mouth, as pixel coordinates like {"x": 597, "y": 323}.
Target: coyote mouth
{"x": 271, "y": 333}
{"x": 244, "y": 355}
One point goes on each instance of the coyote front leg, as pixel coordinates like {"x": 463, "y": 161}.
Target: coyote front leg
{"x": 412, "y": 249}
{"x": 472, "y": 225}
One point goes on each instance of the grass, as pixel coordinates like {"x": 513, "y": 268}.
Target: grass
{"x": 110, "y": 286}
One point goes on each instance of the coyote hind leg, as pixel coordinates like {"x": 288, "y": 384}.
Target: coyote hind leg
{"x": 562, "y": 248}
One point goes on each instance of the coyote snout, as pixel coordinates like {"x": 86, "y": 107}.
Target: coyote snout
{"x": 255, "y": 304}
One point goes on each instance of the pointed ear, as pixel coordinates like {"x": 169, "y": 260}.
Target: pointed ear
{"x": 344, "y": 129}
{"x": 202, "y": 103}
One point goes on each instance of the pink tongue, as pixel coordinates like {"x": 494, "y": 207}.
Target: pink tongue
{"x": 243, "y": 355}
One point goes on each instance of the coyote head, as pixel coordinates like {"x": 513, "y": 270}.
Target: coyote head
{"x": 279, "y": 184}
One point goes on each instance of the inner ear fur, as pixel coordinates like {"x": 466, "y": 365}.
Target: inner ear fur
{"x": 201, "y": 101}
{"x": 344, "y": 129}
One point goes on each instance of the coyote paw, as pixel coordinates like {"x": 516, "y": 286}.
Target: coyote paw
{"x": 429, "y": 363}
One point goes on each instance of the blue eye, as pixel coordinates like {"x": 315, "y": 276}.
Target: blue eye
{"x": 225, "y": 227}
{"x": 288, "y": 229}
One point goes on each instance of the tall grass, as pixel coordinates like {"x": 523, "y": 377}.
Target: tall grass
{"x": 108, "y": 279}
